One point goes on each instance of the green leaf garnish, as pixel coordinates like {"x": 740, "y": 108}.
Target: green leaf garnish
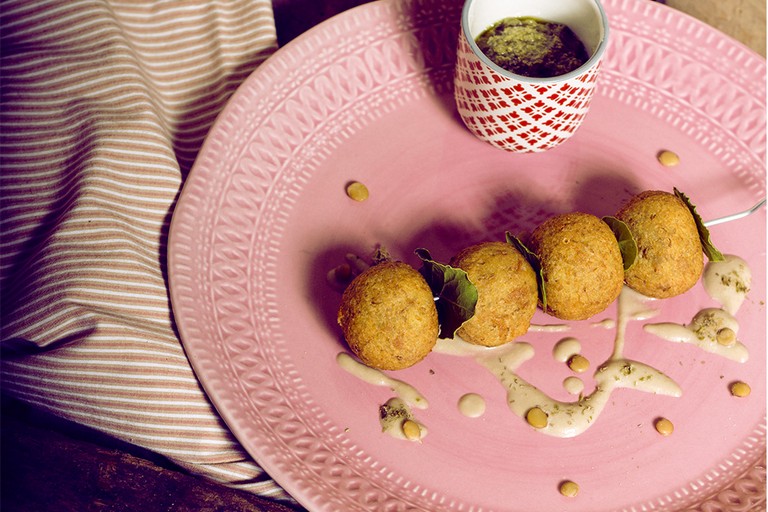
{"x": 456, "y": 295}
{"x": 627, "y": 243}
{"x": 535, "y": 263}
{"x": 706, "y": 243}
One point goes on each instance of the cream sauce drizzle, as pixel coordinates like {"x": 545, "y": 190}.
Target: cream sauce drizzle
{"x": 607, "y": 323}
{"x": 393, "y": 414}
{"x": 569, "y": 419}
{"x": 702, "y": 332}
{"x": 549, "y": 328}
{"x": 376, "y": 377}
{"x": 632, "y": 307}
{"x": 565, "y": 349}
{"x": 727, "y": 282}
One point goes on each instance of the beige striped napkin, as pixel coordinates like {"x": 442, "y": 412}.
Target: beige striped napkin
{"x": 105, "y": 104}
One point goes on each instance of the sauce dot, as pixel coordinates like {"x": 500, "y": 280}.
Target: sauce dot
{"x": 740, "y": 389}
{"x": 664, "y": 426}
{"x": 578, "y": 363}
{"x": 472, "y": 405}
{"x": 536, "y": 418}
{"x": 573, "y": 385}
{"x": 668, "y": 158}
{"x": 569, "y": 488}
{"x": 357, "y": 191}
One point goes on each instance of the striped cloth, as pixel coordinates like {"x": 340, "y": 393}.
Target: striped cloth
{"x": 105, "y": 104}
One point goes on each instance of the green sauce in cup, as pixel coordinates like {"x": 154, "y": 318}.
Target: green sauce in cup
{"x": 532, "y": 47}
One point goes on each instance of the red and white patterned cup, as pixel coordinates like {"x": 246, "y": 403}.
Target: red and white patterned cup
{"x": 519, "y": 113}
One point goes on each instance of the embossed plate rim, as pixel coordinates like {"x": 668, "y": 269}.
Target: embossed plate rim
{"x": 247, "y": 103}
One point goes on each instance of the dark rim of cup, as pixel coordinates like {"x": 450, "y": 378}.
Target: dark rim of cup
{"x": 596, "y": 55}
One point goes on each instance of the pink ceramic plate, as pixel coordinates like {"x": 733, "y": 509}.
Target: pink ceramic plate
{"x": 367, "y": 97}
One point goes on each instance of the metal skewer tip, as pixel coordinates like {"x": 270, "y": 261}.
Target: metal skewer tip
{"x": 735, "y": 216}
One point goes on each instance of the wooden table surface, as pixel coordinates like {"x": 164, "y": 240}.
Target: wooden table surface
{"x": 51, "y": 465}
{"x": 743, "y": 20}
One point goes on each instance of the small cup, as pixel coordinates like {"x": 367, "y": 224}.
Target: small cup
{"x": 519, "y": 113}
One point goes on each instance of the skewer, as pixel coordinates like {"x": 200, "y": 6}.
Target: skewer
{"x": 735, "y": 216}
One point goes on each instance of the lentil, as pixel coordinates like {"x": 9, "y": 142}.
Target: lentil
{"x": 664, "y": 426}
{"x": 668, "y": 158}
{"x": 357, "y": 191}
{"x": 411, "y": 430}
{"x": 726, "y": 336}
{"x": 569, "y": 488}
{"x": 578, "y": 363}
{"x": 740, "y": 389}
{"x": 536, "y": 417}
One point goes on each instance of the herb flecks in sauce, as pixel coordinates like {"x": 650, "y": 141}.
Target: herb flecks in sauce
{"x": 711, "y": 329}
{"x": 403, "y": 390}
{"x": 728, "y": 282}
{"x": 702, "y": 332}
{"x": 397, "y": 420}
{"x": 532, "y": 47}
{"x": 569, "y": 419}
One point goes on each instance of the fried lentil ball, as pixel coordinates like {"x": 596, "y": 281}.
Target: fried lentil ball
{"x": 581, "y": 264}
{"x": 388, "y": 316}
{"x": 507, "y": 293}
{"x": 670, "y": 258}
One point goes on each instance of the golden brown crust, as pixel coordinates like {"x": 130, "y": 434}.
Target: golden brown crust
{"x": 507, "y": 293}
{"x": 388, "y": 316}
{"x": 670, "y": 258}
{"x": 581, "y": 264}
